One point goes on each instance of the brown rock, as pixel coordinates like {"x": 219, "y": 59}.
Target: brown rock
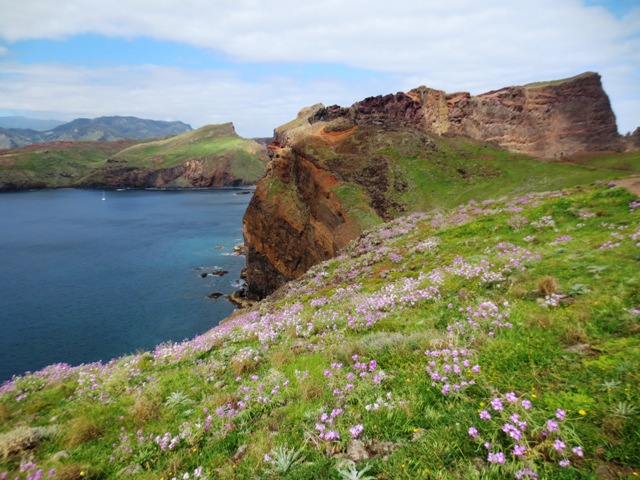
{"x": 298, "y": 215}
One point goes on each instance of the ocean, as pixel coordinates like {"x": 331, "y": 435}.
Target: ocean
{"x": 84, "y": 279}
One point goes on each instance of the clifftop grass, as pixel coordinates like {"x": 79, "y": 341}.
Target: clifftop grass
{"x": 495, "y": 340}
{"x": 208, "y": 141}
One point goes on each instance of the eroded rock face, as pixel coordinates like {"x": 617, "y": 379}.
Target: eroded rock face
{"x": 300, "y": 212}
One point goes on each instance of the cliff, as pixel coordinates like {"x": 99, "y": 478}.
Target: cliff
{"x": 337, "y": 171}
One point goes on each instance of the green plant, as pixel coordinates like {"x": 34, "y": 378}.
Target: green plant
{"x": 283, "y": 458}
{"x": 624, "y": 409}
{"x": 178, "y": 400}
{"x": 352, "y": 473}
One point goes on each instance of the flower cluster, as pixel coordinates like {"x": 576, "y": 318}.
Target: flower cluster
{"x": 254, "y": 393}
{"x": 451, "y": 368}
{"x": 346, "y": 383}
{"x": 517, "y": 222}
{"x": 511, "y": 433}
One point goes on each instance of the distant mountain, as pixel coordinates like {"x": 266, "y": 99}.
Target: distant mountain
{"x": 97, "y": 129}
{"x": 29, "y": 123}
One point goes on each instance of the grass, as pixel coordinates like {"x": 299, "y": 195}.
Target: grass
{"x": 59, "y": 164}
{"x": 334, "y": 367}
{"x": 65, "y": 164}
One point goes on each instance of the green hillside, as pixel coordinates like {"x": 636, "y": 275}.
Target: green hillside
{"x": 216, "y": 149}
{"x": 56, "y": 164}
{"x": 206, "y": 141}
{"x": 495, "y": 340}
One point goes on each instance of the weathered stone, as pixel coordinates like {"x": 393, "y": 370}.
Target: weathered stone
{"x": 356, "y": 451}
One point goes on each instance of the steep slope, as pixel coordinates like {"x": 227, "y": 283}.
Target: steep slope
{"x": 495, "y": 340}
{"x": 212, "y": 156}
{"x": 337, "y": 171}
{"x": 97, "y": 129}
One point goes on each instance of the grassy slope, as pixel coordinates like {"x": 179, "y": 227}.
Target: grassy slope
{"x": 260, "y": 384}
{"x": 68, "y": 164}
{"x": 443, "y": 172}
{"x": 57, "y": 164}
{"x": 207, "y": 142}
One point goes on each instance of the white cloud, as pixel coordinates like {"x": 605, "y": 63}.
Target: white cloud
{"x": 196, "y": 97}
{"x": 453, "y": 45}
{"x": 3, "y": 50}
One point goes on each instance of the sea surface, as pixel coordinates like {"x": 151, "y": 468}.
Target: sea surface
{"x": 84, "y": 279}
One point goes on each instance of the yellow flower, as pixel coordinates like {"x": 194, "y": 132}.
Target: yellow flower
{"x": 403, "y": 465}
{"x": 415, "y": 430}
{"x": 582, "y": 412}
{"x": 82, "y": 473}
{"x": 482, "y": 404}
{"x": 533, "y": 395}
{"x": 408, "y": 380}
{"x": 195, "y": 449}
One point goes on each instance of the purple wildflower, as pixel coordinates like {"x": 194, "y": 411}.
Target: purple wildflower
{"x": 578, "y": 451}
{"x": 560, "y": 414}
{"x": 559, "y": 445}
{"x": 473, "y": 432}
{"x": 496, "y": 458}
{"x": 519, "y": 450}
{"x": 496, "y": 403}
{"x": 526, "y": 404}
{"x": 484, "y": 415}
{"x": 511, "y": 397}
{"x": 552, "y": 425}
{"x": 356, "y": 430}
{"x": 564, "y": 463}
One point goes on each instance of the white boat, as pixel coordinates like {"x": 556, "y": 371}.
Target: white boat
{"x": 103, "y": 196}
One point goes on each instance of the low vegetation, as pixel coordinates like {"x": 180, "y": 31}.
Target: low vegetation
{"x": 215, "y": 148}
{"x": 498, "y": 339}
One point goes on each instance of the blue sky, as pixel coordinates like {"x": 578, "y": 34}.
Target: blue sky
{"x": 258, "y": 62}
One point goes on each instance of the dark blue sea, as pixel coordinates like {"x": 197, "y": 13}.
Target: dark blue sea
{"x": 82, "y": 279}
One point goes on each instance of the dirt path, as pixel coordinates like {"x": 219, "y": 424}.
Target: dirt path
{"x": 632, "y": 184}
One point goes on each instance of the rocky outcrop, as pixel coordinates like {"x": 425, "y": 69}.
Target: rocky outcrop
{"x": 191, "y": 174}
{"x": 332, "y": 175}
{"x": 547, "y": 120}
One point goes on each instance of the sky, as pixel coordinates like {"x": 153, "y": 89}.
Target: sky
{"x": 256, "y": 63}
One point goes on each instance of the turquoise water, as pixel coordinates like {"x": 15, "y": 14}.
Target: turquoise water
{"x": 82, "y": 279}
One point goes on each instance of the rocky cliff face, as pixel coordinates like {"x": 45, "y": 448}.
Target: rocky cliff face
{"x": 334, "y": 171}
{"x": 547, "y": 120}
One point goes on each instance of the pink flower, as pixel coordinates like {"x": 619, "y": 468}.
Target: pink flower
{"x": 484, "y": 415}
{"x": 473, "y": 432}
{"x": 496, "y": 403}
{"x": 519, "y": 450}
{"x": 564, "y": 463}
{"x": 560, "y": 414}
{"x": 511, "y": 397}
{"x": 356, "y": 430}
{"x": 552, "y": 425}
{"x": 496, "y": 458}
{"x": 578, "y": 451}
{"x": 526, "y": 404}
{"x": 559, "y": 445}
